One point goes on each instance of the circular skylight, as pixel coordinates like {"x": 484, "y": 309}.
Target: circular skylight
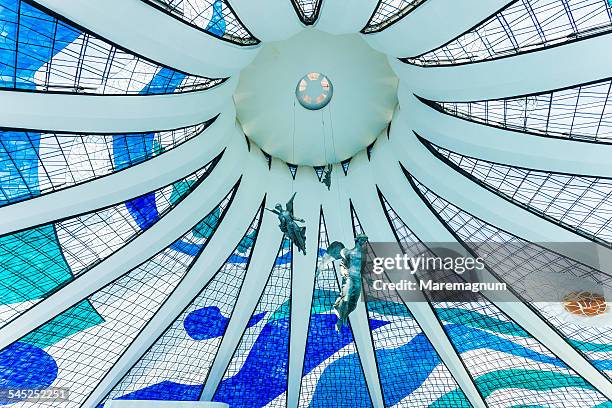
{"x": 314, "y": 91}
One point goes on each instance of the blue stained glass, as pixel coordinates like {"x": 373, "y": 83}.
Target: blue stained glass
{"x": 209, "y": 322}
{"x": 263, "y": 357}
{"x": 217, "y": 25}
{"x": 18, "y": 166}
{"x": 127, "y": 151}
{"x": 132, "y": 149}
{"x": 24, "y": 366}
{"x": 32, "y": 265}
{"x": 8, "y": 41}
{"x": 144, "y": 210}
{"x": 40, "y": 38}
{"x": 165, "y": 80}
{"x": 341, "y": 382}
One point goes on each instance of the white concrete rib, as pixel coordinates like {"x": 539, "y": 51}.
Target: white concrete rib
{"x": 269, "y": 20}
{"x": 334, "y": 17}
{"x": 110, "y": 113}
{"x": 430, "y": 25}
{"x": 515, "y": 75}
{"x": 303, "y": 279}
{"x": 145, "y": 30}
{"x": 128, "y": 183}
{"x": 196, "y": 205}
{"x": 506, "y": 146}
{"x": 232, "y": 228}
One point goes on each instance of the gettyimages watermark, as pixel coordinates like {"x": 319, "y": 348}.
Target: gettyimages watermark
{"x": 499, "y": 271}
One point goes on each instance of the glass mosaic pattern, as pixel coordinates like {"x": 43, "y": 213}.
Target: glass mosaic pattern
{"x": 76, "y": 348}
{"x": 216, "y": 17}
{"x": 582, "y": 112}
{"x": 332, "y": 367}
{"x": 36, "y": 163}
{"x": 176, "y": 366}
{"x": 508, "y": 366}
{"x": 523, "y": 26}
{"x": 37, "y": 261}
{"x": 45, "y": 53}
{"x": 258, "y": 373}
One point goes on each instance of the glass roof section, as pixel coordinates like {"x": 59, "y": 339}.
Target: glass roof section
{"x": 37, "y": 261}
{"x": 160, "y": 330}
{"x": 523, "y": 26}
{"x": 507, "y": 364}
{"x": 46, "y": 53}
{"x": 105, "y": 324}
{"x": 215, "y": 17}
{"x": 520, "y": 264}
{"x": 34, "y": 163}
{"x": 410, "y": 370}
{"x": 258, "y": 373}
{"x": 389, "y": 12}
{"x": 176, "y": 366}
{"x": 332, "y": 366}
{"x": 307, "y": 10}
{"x": 582, "y": 112}
{"x": 581, "y": 204}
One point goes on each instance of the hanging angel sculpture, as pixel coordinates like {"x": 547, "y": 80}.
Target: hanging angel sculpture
{"x": 288, "y": 224}
{"x": 327, "y": 176}
{"x": 353, "y": 262}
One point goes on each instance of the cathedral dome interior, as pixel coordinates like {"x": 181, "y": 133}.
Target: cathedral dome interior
{"x": 195, "y": 195}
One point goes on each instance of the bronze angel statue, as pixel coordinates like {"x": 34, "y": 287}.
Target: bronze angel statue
{"x": 288, "y": 224}
{"x": 353, "y": 262}
{"x": 327, "y": 176}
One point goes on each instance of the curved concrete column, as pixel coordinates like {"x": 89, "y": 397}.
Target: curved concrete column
{"x": 421, "y": 30}
{"x": 476, "y": 200}
{"x": 137, "y": 26}
{"x": 112, "y": 114}
{"x": 521, "y": 74}
{"x": 235, "y": 223}
{"x": 131, "y": 182}
{"x": 505, "y": 146}
{"x": 334, "y": 17}
{"x": 269, "y": 20}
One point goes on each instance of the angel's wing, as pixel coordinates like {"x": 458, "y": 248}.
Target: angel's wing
{"x": 289, "y": 205}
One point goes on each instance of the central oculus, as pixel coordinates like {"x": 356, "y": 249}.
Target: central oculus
{"x": 314, "y": 91}
{"x": 316, "y": 98}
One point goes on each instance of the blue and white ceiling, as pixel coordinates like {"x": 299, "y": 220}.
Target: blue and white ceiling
{"x": 137, "y": 260}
